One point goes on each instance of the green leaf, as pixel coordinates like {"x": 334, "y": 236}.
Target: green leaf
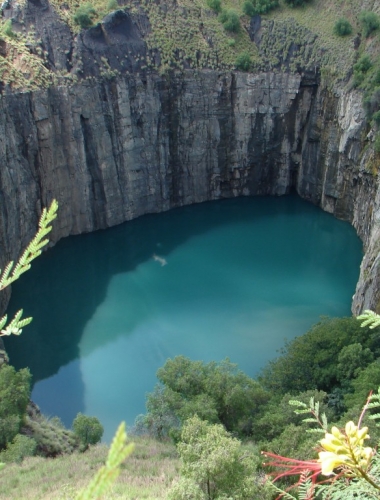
{"x": 107, "y": 474}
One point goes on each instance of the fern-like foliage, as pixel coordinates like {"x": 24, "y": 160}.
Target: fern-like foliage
{"x": 374, "y": 404}
{"x": 369, "y": 318}
{"x": 313, "y": 409}
{"x": 306, "y": 488}
{"x": 13, "y": 271}
{"x": 107, "y": 474}
{"x": 350, "y": 489}
{"x": 283, "y": 494}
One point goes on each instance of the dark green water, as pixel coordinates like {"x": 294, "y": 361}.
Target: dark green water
{"x": 241, "y": 276}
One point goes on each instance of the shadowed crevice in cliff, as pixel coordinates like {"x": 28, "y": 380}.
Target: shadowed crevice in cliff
{"x": 226, "y": 120}
{"x": 97, "y": 184}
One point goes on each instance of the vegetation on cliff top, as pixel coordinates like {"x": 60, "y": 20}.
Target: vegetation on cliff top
{"x": 197, "y": 34}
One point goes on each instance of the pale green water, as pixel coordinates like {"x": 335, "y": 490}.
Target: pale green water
{"x": 241, "y": 276}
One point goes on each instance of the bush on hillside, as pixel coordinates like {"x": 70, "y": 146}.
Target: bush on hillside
{"x": 363, "y": 64}
{"x": 248, "y": 8}
{"x": 361, "y": 68}
{"x": 214, "y": 465}
{"x": 51, "y": 436}
{"x": 369, "y": 21}
{"x": 215, "y": 5}
{"x": 342, "y": 27}
{"x": 243, "y": 61}
{"x": 311, "y": 360}
{"x": 376, "y": 118}
{"x": 6, "y": 30}
{"x": 216, "y": 392}
{"x": 14, "y": 398}
{"x": 230, "y": 20}
{"x": 112, "y": 5}
{"x": 296, "y": 3}
{"x": 89, "y": 430}
{"x": 254, "y": 7}
{"x": 84, "y": 16}
{"x": 264, "y": 6}
{"x": 279, "y": 414}
{"x": 371, "y": 101}
{"x": 18, "y": 449}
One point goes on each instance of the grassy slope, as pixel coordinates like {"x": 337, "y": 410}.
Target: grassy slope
{"x": 187, "y": 33}
{"x": 146, "y": 474}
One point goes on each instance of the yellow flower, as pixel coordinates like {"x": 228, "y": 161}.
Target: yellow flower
{"x": 345, "y": 449}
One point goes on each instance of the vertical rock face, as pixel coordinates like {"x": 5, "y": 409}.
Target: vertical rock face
{"x": 115, "y": 149}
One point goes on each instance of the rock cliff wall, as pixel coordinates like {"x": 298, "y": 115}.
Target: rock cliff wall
{"x": 115, "y": 149}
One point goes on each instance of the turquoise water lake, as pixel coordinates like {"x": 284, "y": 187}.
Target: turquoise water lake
{"x": 240, "y": 277}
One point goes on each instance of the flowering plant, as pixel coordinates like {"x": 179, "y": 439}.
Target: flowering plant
{"x": 345, "y": 467}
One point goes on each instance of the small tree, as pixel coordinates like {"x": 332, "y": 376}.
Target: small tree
{"x": 18, "y": 449}
{"x": 342, "y": 27}
{"x": 215, "y": 5}
{"x": 264, "y": 6}
{"x": 243, "y": 61}
{"x": 296, "y": 3}
{"x": 85, "y": 15}
{"x": 214, "y": 466}
{"x": 89, "y": 430}
{"x": 249, "y": 9}
{"x": 376, "y": 118}
{"x": 370, "y": 22}
{"x": 230, "y": 20}
{"x": 14, "y": 398}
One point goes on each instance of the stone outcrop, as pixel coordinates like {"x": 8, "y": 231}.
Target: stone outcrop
{"x": 113, "y": 148}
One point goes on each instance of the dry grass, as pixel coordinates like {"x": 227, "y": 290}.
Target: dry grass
{"x": 146, "y": 474}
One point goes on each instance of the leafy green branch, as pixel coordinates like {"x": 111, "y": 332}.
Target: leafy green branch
{"x": 13, "y": 271}
{"x": 107, "y": 474}
{"x": 369, "y": 318}
{"x": 312, "y": 409}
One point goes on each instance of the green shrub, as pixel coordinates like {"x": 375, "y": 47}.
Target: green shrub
{"x": 369, "y": 21}
{"x": 85, "y": 15}
{"x": 214, "y": 465}
{"x": 6, "y": 29}
{"x": 248, "y": 8}
{"x": 230, "y": 20}
{"x": 342, "y": 27}
{"x": 361, "y": 68}
{"x": 215, "y": 5}
{"x": 311, "y": 360}
{"x": 296, "y": 3}
{"x": 376, "y": 117}
{"x": 369, "y": 379}
{"x": 20, "y": 447}
{"x": 216, "y": 392}
{"x": 112, "y": 5}
{"x": 363, "y": 64}
{"x": 371, "y": 101}
{"x": 51, "y": 436}
{"x": 253, "y": 7}
{"x": 264, "y": 6}
{"x": 89, "y": 430}
{"x": 377, "y": 149}
{"x": 14, "y": 398}
{"x": 243, "y": 61}
{"x": 231, "y": 42}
